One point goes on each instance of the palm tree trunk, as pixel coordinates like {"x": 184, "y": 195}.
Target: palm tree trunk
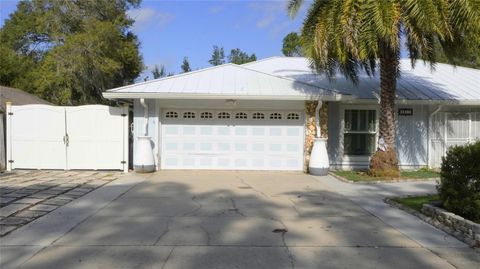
{"x": 384, "y": 162}
{"x": 388, "y": 86}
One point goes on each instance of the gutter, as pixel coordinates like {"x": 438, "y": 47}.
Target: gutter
{"x": 474, "y": 102}
{"x": 169, "y": 96}
{"x": 430, "y": 117}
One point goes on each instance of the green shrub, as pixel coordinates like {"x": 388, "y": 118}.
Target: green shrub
{"x": 459, "y": 187}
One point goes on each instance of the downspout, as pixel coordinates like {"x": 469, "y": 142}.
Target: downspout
{"x": 144, "y": 161}
{"x": 145, "y": 116}
{"x": 430, "y": 125}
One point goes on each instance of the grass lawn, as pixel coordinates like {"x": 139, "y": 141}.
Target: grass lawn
{"x": 359, "y": 176}
{"x": 416, "y": 202}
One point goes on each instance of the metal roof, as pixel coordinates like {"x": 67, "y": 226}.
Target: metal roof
{"x": 228, "y": 81}
{"x": 444, "y": 83}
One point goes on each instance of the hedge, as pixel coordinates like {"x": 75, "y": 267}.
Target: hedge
{"x": 459, "y": 187}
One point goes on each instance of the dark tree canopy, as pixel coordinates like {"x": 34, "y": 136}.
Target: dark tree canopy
{"x": 237, "y": 56}
{"x": 469, "y": 57}
{"x": 291, "y": 45}
{"x": 69, "y": 52}
{"x": 159, "y": 72}
{"x": 218, "y": 56}
{"x": 185, "y": 65}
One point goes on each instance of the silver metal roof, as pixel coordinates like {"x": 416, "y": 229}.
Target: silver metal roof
{"x": 290, "y": 78}
{"x": 228, "y": 81}
{"x": 443, "y": 83}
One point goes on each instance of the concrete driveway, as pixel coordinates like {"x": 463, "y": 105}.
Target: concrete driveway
{"x": 203, "y": 219}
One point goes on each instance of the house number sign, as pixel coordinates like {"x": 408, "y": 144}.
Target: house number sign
{"x": 405, "y": 111}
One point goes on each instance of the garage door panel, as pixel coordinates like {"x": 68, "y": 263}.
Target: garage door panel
{"x": 232, "y": 144}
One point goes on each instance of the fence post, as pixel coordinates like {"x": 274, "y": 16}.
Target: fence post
{"x": 126, "y": 147}
{"x": 3, "y": 164}
{"x": 8, "y": 132}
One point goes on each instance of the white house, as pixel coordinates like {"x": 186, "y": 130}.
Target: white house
{"x": 258, "y": 116}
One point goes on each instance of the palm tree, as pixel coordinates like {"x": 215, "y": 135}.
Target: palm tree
{"x": 353, "y": 35}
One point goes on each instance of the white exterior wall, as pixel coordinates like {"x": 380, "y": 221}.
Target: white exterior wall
{"x": 412, "y": 141}
{"x": 413, "y": 134}
{"x": 411, "y": 137}
{"x": 153, "y": 125}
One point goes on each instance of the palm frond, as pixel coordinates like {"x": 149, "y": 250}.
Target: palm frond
{"x": 293, "y": 6}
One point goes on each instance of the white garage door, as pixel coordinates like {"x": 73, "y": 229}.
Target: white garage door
{"x": 232, "y": 140}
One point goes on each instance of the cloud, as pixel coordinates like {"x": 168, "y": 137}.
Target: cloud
{"x": 265, "y": 21}
{"x": 216, "y": 9}
{"x": 149, "y": 17}
{"x": 267, "y": 12}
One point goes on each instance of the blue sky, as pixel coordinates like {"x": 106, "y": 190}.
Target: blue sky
{"x": 170, "y": 30}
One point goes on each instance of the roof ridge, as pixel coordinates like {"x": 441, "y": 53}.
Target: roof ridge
{"x": 438, "y": 63}
{"x": 171, "y": 77}
{"x": 222, "y": 66}
{"x": 292, "y": 80}
{"x": 264, "y": 59}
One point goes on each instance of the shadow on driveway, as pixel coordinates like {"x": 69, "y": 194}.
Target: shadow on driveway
{"x": 231, "y": 220}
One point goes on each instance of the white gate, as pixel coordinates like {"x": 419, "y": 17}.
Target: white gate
{"x": 55, "y": 137}
{"x": 450, "y": 129}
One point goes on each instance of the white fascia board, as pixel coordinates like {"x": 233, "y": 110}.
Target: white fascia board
{"x": 130, "y": 95}
{"x": 417, "y": 102}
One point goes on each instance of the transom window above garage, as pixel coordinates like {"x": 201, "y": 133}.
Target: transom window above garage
{"x": 189, "y": 115}
{"x": 275, "y": 116}
{"x": 224, "y": 115}
{"x": 241, "y": 115}
{"x": 258, "y": 116}
{"x": 293, "y": 116}
{"x": 171, "y": 115}
{"x": 206, "y": 115}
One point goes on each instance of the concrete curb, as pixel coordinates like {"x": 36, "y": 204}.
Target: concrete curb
{"x": 383, "y": 181}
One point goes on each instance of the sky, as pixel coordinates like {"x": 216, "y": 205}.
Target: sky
{"x": 171, "y": 30}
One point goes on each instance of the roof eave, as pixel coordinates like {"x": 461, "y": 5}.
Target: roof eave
{"x": 151, "y": 95}
{"x": 418, "y": 102}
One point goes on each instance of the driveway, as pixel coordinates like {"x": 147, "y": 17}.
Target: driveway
{"x": 30, "y": 194}
{"x": 204, "y": 219}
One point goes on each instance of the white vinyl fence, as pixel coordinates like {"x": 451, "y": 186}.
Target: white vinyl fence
{"x": 57, "y": 137}
{"x": 450, "y": 129}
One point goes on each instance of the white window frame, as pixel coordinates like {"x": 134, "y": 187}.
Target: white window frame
{"x": 356, "y": 158}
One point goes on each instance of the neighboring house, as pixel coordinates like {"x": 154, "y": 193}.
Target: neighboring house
{"x": 16, "y": 97}
{"x": 258, "y": 116}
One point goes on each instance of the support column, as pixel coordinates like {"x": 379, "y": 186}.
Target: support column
{"x": 310, "y": 132}
{"x": 324, "y": 120}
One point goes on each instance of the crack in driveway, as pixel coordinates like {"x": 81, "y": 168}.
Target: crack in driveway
{"x": 199, "y": 206}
